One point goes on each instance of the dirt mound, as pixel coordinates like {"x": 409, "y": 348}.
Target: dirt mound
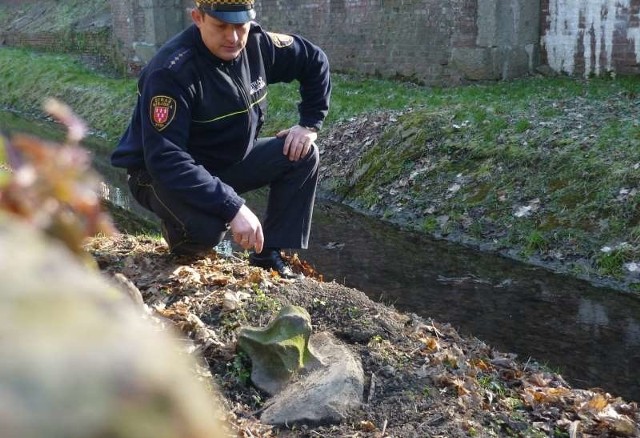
{"x": 422, "y": 378}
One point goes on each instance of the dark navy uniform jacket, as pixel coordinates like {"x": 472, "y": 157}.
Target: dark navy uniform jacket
{"x": 197, "y": 114}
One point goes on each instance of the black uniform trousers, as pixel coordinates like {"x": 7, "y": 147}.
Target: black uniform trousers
{"x": 287, "y": 220}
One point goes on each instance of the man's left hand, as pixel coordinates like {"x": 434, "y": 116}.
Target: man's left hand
{"x": 297, "y": 142}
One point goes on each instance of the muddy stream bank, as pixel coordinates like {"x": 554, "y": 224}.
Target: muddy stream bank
{"x": 589, "y": 334}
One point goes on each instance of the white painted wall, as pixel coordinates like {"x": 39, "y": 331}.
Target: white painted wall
{"x": 592, "y": 22}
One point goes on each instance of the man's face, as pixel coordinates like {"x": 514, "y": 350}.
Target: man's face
{"x": 224, "y": 40}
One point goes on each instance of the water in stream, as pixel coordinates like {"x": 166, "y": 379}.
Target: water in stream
{"x": 591, "y": 335}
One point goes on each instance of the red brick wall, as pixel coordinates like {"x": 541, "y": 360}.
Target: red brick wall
{"x": 425, "y": 40}
{"x": 140, "y": 27}
{"x": 410, "y": 39}
{"x": 127, "y": 20}
{"x": 33, "y": 24}
{"x": 86, "y": 42}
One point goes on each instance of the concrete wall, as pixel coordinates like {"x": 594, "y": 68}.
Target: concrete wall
{"x": 591, "y": 37}
{"x": 427, "y": 41}
{"x": 505, "y": 44}
{"x": 140, "y": 27}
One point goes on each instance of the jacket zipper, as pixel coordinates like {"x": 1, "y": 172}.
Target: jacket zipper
{"x": 238, "y": 82}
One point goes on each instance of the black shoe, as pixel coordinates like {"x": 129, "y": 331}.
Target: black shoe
{"x": 272, "y": 260}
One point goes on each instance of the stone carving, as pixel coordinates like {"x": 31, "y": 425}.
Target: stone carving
{"x": 279, "y": 350}
{"x": 313, "y": 378}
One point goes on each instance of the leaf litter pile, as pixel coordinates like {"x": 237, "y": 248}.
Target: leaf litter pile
{"x": 422, "y": 377}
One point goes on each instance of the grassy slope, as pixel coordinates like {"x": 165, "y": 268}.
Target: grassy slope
{"x": 547, "y": 166}
{"x": 566, "y": 148}
{"x": 48, "y": 15}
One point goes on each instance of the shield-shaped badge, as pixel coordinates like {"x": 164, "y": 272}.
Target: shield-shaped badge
{"x": 162, "y": 111}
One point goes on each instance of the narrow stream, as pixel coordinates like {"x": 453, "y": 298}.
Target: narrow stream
{"x": 591, "y": 335}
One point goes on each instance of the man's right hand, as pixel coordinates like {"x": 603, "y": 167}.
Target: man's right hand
{"x": 247, "y": 230}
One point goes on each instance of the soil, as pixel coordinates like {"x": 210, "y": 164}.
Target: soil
{"x": 422, "y": 378}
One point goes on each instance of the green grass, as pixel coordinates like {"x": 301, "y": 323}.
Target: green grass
{"x": 54, "y": 16}
{"x": 350, "y": 96}
{"x": 506, "y": 142}
{"x": 29, "y": 78}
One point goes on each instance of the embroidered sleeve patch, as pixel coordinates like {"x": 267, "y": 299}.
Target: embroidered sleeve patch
{"x": 280, "y": 39}
{"x": 162, "y": 111}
